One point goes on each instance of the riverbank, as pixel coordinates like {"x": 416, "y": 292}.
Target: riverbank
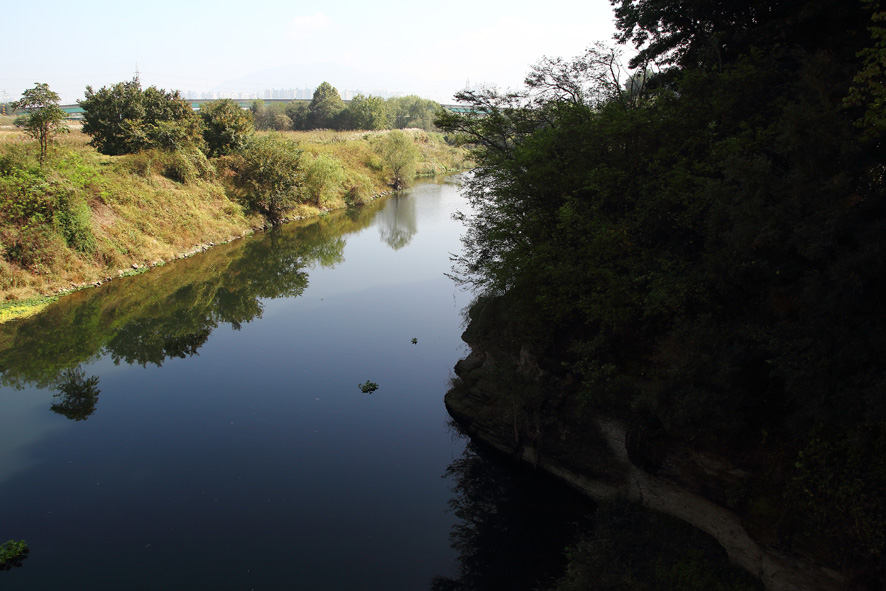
{"x": 527, "y": 406}
{"x": 86, "y": 218}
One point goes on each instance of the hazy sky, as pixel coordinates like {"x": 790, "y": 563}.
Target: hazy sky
{"x": 421, "y": 47}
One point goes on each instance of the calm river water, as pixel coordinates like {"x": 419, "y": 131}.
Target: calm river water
{"x": 200, "y": 426}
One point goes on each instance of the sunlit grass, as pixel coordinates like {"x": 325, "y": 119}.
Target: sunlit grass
{"x": 138, "y": 218}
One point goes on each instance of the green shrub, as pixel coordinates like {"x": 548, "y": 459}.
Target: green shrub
{"x": 323, "y": 178}
{"x": 37, "y": 213}
{"x": 141, "y": 164}
{"x": 269, "y": 172}
{"x": 13, "y": 158}
{"x": 359, "y": 188}
{"x": 124, "y": 119}
{"x": 34, "y": 246}
{"x": 227, "y": 127}
{"x": 76, "y": 226}
{"x": 184, "y": 166}
{"x": 399, "y": 155}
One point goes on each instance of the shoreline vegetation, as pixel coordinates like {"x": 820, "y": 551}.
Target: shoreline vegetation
{"x": 83, "y": 218}
{"x": 689, "y": 246}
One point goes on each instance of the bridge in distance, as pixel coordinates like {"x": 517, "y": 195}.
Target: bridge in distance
{"x": 75, "y": 111}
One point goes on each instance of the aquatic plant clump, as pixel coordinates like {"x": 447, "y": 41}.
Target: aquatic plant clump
{"x": 12, "y": 553}
{"x": 368, "y": 387}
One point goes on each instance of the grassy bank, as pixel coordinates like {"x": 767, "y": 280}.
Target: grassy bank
{"x": 85, "y": 218}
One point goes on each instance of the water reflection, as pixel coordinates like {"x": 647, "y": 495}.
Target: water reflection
{"x": 171, "y": 311}
{"x": 510, "y": 534}
{"x": 397, "y": 223}
{"x": 261, "y": 436}
{"x": 77, "y": 395}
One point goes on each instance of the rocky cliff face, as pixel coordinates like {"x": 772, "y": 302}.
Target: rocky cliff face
{"x": 517, "y": 403}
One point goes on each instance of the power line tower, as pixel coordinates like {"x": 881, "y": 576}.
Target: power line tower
{"x": 5, "y": 102}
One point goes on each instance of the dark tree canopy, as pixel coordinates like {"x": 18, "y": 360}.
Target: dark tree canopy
{"x": 709, "y": 33}
{"x": 704, "y": 251}
{"x": 124, "y": 119}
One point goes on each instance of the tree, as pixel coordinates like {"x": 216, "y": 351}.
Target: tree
{"x": 868, "y": 93}
{"x": 367, "y": 112}
{"x": 399, "y": 155}
{"x": 323, "y": 177}
{"x": 697, "y": 33}
{"x": 325, "y": 107}
{"x": 707, "y": 256}
{"x": 270, "y": 116}
{"x": 125, "y": 119}
{"x": 269, "y": 171}
{"x": 226, "y": 127}
{"x": 412, "y": 111}
{"x": 44, "y": 119}
{"x": 298, "y": 113}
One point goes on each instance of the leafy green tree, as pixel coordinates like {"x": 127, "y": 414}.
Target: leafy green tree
{"x": 323, "y": 178}
{"x": 298, "y": 113}
{"x": 269, "y": 172}
{"x": 400, "y": 155}
{"x": 325, "y": 107}
{"x": 44, "y": 119}
{"x": 124, "y": 119}
{"x": 226, "y": 127}
{"x": 367, "y": 112}
{"x": 271, "y": 116}
{"x": 412, "y": 111}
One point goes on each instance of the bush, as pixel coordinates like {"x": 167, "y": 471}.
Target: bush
{"x": 125, "y": 119}
{"x": 14, "y": 158}
{"x": 359, "y": 188}
{"x": 75, "y": 221}
{"x": 269, "y": 173}
{"x": 182, "y": 166}
{"x": 187, "y": 166}
{"x": 33, "y": 246}
{"x": 227, "y": 127}
{"x": 399, "y": 155}
{"x": 38, "y": 212}
{"x": 323, "y": 178}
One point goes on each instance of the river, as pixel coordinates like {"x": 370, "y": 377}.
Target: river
{"x": 203, "y": 425}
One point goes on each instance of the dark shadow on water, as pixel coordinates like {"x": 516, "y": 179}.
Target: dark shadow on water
{"x": 513, "y": 527}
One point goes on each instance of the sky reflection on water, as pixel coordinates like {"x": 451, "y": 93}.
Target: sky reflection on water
{"x": 229, "y": 446}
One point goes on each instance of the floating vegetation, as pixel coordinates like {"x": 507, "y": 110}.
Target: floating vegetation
{"x": 12, "y": 553}
{"x": 368, "y": 387}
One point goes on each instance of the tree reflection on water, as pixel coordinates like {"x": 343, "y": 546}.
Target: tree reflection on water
{"x": 77, "y": 395}
{"x": 514, "y": 524}
{"x": 167, "y": 313}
